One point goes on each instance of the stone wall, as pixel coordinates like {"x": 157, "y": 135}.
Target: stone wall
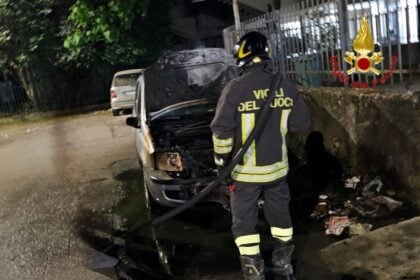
{"x": 375, "y": 133}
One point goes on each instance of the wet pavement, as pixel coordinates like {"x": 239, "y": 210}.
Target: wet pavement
{"x": 72, "y": 187}
{"x": 52, "y": 172}
{"x": 198, "y": 244}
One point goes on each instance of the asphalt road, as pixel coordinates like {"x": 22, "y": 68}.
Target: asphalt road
{"x": 52, "y": 175}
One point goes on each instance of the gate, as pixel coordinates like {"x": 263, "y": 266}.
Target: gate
{"x": 12, "y": 99}
{"x": 306, "y": 35}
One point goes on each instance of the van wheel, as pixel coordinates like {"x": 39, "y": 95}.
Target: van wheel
{"x": 115, "y": 113}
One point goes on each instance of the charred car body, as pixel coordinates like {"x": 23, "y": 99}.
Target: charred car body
{"x": 175, "y": 102}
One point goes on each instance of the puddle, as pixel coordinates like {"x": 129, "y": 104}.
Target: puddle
{"x": 198, "y": 243}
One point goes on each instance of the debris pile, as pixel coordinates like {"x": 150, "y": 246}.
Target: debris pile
{"x": 353, "y": 210}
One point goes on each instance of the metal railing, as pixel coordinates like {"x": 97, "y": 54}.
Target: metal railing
{"x": 305, "y": 37}
{"x": 13, "y": 99}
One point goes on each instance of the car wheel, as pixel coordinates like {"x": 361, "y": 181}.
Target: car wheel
{"x": 115, "y": 113}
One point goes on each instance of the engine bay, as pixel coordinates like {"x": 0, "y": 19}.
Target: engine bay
{"x": 183, "y": 147}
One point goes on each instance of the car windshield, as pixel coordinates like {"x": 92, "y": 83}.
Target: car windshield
{"x": 126, "y": 80}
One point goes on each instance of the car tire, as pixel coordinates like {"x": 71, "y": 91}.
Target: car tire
{"x": 115, "y": 113}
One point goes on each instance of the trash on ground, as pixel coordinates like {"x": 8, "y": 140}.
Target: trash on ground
{"x": 390, "y": 203}
{"x": 337, "y": 224}
{"x": 342, "y": 210}
{"x": 371, "y": 206}
{"x": 321, "y": 209}
{"x": 372, "y": 188}
{"x": 359, "y": 229}
{"x": 367, "y": 207}
{"x": 352, "y": 182}
{"x": 390, "y": 192}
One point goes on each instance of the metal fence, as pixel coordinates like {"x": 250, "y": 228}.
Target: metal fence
{"x": 13, "y": 99}
{"x": 310, "y": 38}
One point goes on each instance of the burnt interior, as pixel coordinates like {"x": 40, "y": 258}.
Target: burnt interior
{"x": 191, "y": 138}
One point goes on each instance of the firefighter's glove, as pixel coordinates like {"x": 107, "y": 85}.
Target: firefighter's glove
{"x": 221, "y": 163}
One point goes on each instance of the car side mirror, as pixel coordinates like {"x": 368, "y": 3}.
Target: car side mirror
{"x": 132, "y": 121}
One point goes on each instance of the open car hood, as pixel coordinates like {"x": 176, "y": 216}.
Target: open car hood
{"x": 187, "y": 75}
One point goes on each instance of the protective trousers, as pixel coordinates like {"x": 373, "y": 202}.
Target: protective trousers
{"x": 244, "y": 204}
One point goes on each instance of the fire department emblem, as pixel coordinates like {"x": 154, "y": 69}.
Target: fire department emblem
{"x": 365, "y": 59}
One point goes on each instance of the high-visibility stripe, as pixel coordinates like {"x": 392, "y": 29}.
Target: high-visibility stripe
{"x": 248, "y": 244}
{"x": 222, "y": 146}
{"x": 248, "y": 123}
{"x": 281, "y": 232}
{"x": 284, "y": 234}
{"x": 282, "y": 238}
{"x": 284, "y": 118}
{"x": 261, "y": 170}
{"x": 258, "y": 178}
{"x": 249, "y": 250}
{"x": 283, "y": 129}
{"x": 222, "y": 142}
{"x": 247, "y": 239}
{"x": 222, "y": 150}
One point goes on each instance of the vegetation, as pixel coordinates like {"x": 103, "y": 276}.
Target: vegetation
{"x": 60, "y": 50}
{"x": 28, "y": 44}
{"x": 120, "y": 32}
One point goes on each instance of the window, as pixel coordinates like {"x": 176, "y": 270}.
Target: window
{"x": 126, "y": 80}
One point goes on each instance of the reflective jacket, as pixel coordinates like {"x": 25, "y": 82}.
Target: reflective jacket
{"x": 266, "y": 159}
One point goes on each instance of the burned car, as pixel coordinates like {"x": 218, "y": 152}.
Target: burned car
{"x": 175, "y": 102}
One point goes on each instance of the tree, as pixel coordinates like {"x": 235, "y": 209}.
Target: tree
{"x": 120, "y": 32}
{"x": 26, "y": 35}
{"x": 64, "y": 52}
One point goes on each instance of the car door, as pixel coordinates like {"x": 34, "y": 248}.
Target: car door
{"x": 142, "y": 135}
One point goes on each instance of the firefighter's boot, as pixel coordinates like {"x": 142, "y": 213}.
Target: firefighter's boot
{"x": 282, "y": 260}
{"x": 252, "y": 267}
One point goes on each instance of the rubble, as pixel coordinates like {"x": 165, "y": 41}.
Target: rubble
{"x": 337, "y": 224}
{"x": 352, "y": 182}
{"x": 359, "y": 229}
{"x": 372, "y": 188}
{"x": 321, "y": 209}
{"x": 389, "y": 202}
{"x": 348, "y": 211}
{"x": 371, "y": 207}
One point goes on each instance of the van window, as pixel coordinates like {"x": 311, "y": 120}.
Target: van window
{"x": 126, "y": 80}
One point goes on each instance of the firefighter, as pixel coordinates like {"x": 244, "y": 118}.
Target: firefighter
{"x": 263, "y": 169}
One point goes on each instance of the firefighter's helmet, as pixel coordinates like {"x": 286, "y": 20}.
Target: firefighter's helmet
{"x": 251, "y": 45}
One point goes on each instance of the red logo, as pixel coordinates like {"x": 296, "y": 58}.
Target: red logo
{"x": 363, "y": 60}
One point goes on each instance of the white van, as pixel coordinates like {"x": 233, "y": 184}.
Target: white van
{"x": 123, "y": 89}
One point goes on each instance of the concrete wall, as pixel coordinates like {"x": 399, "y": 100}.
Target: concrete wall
{"x": 374, "y": 133}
